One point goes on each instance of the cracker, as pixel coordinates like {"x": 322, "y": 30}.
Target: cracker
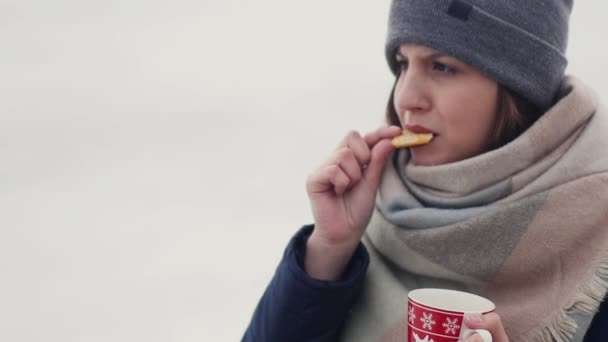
{"x": 409, "y": 139}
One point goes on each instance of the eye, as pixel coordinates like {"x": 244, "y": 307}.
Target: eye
{"x": 443, "y": 68}
{"x": 402, "y": 65}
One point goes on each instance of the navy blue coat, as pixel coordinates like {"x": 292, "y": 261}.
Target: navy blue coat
{"x": 296, "y": 307}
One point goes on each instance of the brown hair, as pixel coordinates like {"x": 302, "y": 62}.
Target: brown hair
{"x": 514, "y": 114}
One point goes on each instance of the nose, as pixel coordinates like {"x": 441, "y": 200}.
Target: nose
{"x": 411, "y": 95}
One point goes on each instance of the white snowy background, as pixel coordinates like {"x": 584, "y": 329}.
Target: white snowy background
{"x": 154, "y": 153}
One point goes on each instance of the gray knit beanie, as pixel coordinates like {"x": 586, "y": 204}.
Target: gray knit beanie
{"x": 519, "y": 43}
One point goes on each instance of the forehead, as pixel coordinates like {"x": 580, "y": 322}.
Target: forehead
{"x": 416, "y": 50}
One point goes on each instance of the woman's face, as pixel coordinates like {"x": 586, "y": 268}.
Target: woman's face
{"x": 439, "y": 94}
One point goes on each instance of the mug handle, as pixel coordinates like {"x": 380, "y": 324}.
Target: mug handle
{"x": 485, "y": 334}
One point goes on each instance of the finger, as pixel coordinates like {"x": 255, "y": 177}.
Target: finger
{"x": 490, "y": 322}
{"x": 345, "y": 158}
{"x": 479, "y": 335}
{"x": 339, "y": 179}
{"x": 355, "y": 142}
{"x": 385, "y": 132}
{"x": 328, "y": 178}
{"x": 473, "y": 338}
{"x": 318, "y": 182}
{"x": 373, "y": 171}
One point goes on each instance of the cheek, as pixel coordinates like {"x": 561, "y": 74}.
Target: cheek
{"x": 395, "y": 104}
{"x": 471, "y": 119}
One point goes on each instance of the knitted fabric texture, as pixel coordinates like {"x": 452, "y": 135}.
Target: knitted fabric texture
{"x": 525, "y": 225}
{"x": 519, "y": 43}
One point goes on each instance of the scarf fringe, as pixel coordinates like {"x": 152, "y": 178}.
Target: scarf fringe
{"x": 562, "y": 326}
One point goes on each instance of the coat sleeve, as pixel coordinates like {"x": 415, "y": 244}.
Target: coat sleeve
{"x": 296, "y": 307}
{"x": 598, "y": 331}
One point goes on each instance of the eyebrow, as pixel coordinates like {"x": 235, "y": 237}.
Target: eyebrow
{"x": 429, "y": 56}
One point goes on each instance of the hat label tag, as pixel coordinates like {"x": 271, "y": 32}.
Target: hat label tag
{"x": 460, "y": 9}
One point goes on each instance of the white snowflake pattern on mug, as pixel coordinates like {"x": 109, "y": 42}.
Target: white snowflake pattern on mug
{"x": 427, "y": 321}
{"x": 450, "y": 326}
{"x": 411, "y": 316}
{"x": 426, "y": 338}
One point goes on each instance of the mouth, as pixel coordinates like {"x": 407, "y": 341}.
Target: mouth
{"x": 419, "y": 129}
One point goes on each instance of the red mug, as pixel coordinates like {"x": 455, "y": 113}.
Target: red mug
{"x": 435, "y": 315}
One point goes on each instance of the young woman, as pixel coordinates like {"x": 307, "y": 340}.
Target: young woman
{"x": 509, "y": 200}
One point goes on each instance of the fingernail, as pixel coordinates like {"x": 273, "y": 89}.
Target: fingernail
{"x": 473, "y": 317}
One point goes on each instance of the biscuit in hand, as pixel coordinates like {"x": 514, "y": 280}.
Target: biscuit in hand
{"x": 409, "y": 139}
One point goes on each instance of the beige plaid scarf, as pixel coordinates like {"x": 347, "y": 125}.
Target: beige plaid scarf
{"x": 525, "y": 225}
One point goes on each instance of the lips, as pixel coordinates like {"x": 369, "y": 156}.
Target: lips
{"x": 419, "y": 129}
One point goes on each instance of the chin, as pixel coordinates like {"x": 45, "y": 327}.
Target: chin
{"x": 425, "y": 163}
{"x": 420, "y": 158}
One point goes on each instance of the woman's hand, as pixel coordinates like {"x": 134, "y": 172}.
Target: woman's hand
{"x": 490, "y": 322}
{"x": 342, "y": 193}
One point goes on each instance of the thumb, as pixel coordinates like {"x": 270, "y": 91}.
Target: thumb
{"x": 379, "y": 153}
